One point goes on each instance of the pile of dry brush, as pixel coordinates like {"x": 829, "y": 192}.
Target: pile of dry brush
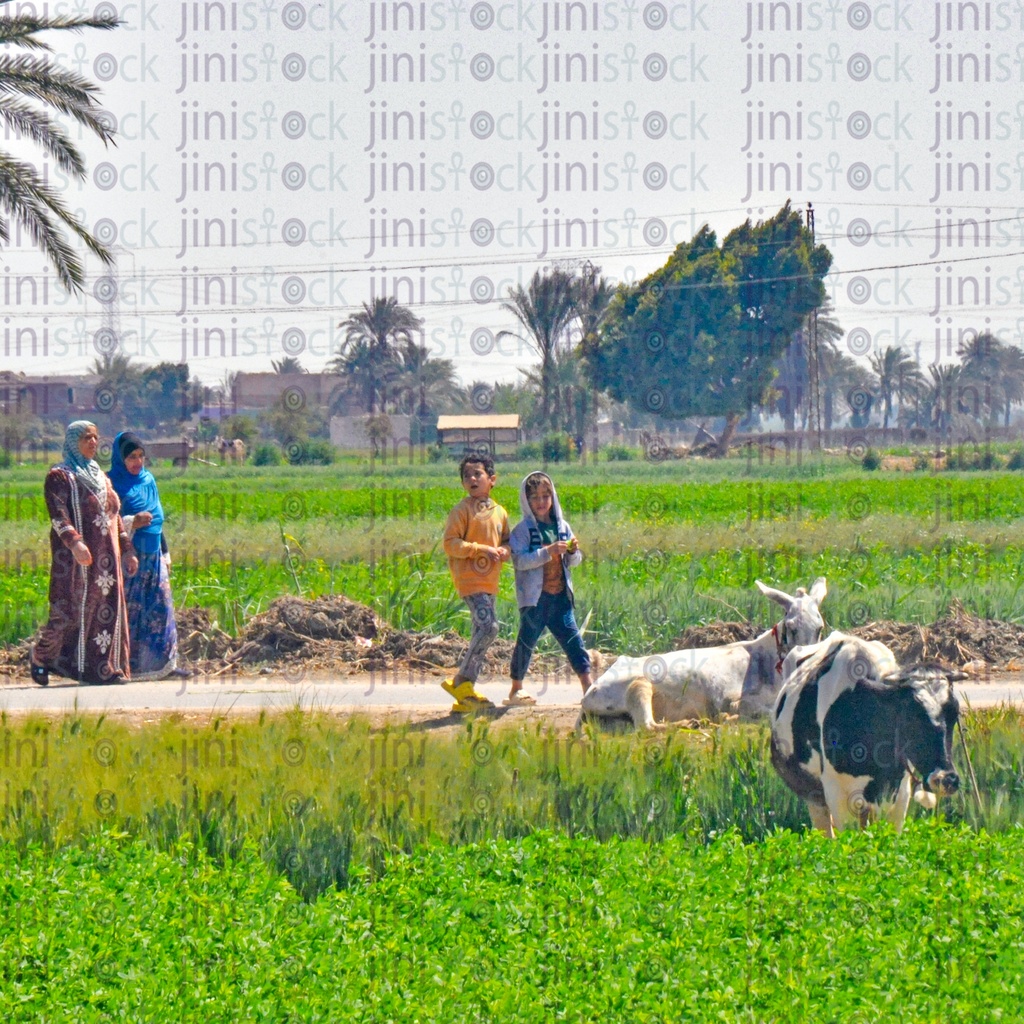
{"x": 341, "y": 635}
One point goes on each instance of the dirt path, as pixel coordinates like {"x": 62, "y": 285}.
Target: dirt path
{"x": 382, "y": 697}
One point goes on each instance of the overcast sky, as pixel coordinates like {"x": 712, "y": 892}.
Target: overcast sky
{"x": 530, "y": 133}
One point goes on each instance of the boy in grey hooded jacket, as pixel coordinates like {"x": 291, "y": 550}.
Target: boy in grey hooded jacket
{"x": 544, "y": 549}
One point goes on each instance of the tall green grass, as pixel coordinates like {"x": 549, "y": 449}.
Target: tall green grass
{"x": 324, "y": 801}
{"x": 639, "y": 601}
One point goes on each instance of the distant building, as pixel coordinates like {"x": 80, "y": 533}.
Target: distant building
{"x": 352, "y": 432}
{"x": 258, "y": 392}
{"x": 478, "y": 431}
{"x": 63, "y": 398}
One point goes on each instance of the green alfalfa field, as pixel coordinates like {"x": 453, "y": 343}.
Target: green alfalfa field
{"x": 666, "y": 545}
{"x": 302, "y": 867}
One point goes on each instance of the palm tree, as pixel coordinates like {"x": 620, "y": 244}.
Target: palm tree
{"x": 981, "y": 361}
{"x": 895, "y": 372}
{"x": 791, "y": 383}
{"x": 794, "y": 367}
{"x": 120, "y": 384}
{"x": 593, "y": 293}
{"x": 945, "y": 384}
{"x": 821, "y": 325}
{"x": 117, "y": 372}
{"x": 1011, "y": 365}
{"x": 371, "y": 339}
{"x": 423, "y": 384}
{"x": 545, "y": 309}
{"x": 571, "y": 408}
{"x": 839, "y": 375}
{"x": 909, "y": 382}
{"x": 30, "y": 86}
{"x": 287, "y": 365}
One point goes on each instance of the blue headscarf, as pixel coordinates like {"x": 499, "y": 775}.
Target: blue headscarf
{"x": 138, "y": 493}
{"x": 86, "y": 471}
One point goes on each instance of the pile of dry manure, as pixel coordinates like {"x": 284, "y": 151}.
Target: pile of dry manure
{"x": 332, "y": 632}
{"x": 958, "y": 639}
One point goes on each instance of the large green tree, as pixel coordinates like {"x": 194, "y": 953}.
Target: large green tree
{"x": 701, "y": 335}
{"x": 32, "y": 88}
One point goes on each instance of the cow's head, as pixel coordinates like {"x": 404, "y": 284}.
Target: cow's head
{"x": 926, "y": 733}
{"x": 802, "y": 623}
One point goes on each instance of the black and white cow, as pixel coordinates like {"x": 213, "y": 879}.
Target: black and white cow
{"x": 850, "y": 730}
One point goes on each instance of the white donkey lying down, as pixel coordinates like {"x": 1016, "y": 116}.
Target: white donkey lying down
{"x": 705, "y": 682}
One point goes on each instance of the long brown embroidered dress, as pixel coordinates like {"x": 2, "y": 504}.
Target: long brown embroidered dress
{"x": 86, "y": 637}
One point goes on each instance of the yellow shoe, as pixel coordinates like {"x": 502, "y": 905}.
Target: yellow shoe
{"x": 466, "y": 697}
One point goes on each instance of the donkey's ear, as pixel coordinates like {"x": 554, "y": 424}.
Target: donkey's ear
{"x": 819, "y": 590}
{"x": 775, "y": 595}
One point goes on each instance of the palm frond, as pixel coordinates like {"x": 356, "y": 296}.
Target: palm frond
{"x": 27, "y": 199}
{"x": 67, "y": 91}
{"x": 21, "y": 29}
{"x": 42, "y": 129}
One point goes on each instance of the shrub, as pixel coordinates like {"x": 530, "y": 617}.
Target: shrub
{"x": 266, "y": 455}
{"x": 619, "y": 453}
{"x": 922, "y": 462}
{"x": 529, "y": 452}
{"x": 1016, "y": 460}
{"x": 872, "y": 460}
{"x": 964, "y": 459}
{"x": 317, "y": 453}
{"x": 557, "y": 448}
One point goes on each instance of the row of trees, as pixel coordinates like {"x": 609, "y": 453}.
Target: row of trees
{"x": 698, "y": 337}
{"x": 985, "y": 384}
{"x": 721, "y": 331}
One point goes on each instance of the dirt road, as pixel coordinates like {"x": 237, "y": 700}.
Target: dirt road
{"x": 401, "y": 696}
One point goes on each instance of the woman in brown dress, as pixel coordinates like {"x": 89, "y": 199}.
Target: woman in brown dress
{"x": 86, "y": 637}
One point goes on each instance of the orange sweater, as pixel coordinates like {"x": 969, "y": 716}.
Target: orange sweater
{"x": 471, "y": 525}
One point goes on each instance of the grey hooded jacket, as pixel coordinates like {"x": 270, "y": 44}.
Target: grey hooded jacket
{"x": 529, "y": 554}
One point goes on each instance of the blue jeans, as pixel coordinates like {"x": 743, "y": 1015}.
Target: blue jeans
{"x": 554, "y": 612}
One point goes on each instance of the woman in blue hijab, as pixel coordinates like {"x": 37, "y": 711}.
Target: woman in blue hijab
{"x": 151, "y": 628}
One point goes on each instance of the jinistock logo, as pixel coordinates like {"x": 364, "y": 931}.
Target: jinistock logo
{"x": 543, "y": 20}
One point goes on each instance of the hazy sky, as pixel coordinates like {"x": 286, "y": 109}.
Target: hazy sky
{"x": 279, "y": 164}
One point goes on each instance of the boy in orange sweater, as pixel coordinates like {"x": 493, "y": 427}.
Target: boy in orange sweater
{"x": 476, "y": 543}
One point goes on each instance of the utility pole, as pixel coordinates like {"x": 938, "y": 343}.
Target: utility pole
{"x": 813, "y": 368}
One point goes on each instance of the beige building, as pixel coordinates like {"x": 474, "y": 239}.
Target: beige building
{"x": 478, "y": 431}
{"x": 257, "y": 392}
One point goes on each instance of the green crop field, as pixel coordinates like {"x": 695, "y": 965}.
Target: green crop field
{"x": 667, "y": 544}
{"x": 919, "y": 928}
{"x": 299, "y": 868}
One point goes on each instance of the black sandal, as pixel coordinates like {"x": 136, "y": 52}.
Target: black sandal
{"x": 40, "y": 674}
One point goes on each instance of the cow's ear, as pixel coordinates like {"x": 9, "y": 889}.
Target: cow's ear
{"x": 819, "y": 590}
{"x": 775, "y": 595}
